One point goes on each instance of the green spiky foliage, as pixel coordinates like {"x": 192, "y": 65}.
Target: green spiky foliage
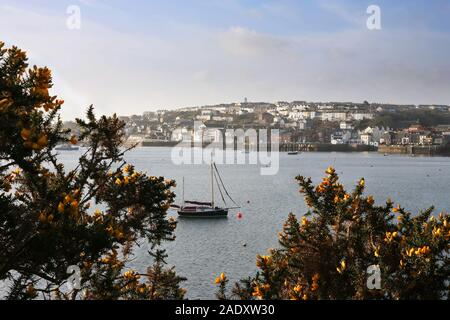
{"x": 345, "y": 243}
{"x": 91, "y": 216}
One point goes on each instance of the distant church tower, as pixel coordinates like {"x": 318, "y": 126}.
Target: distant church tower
{"x": 245, "y": 100}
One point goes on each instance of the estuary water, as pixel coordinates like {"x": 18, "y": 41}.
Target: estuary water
{"x": 206, "y": 247}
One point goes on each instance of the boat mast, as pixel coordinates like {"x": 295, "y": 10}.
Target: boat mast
{"x": 212, "y": 184}
{"x": 182, "y": 194}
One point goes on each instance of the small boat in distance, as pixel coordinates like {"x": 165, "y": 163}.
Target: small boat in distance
{"x": 198, "y": 209}
{"x": 293, "y": 153}
{"x": 66, "y": 147}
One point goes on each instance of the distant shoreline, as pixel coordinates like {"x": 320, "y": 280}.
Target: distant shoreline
{"x": 328, "y": 147}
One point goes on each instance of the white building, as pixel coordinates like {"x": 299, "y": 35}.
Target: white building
{"x": 222, "y": 118}
{"x": 341, "y": 137}
{"x": 366, "y": 138}
{"x": 300, "y": 107}
{"x": 309, "y": 114}
{"x": 333, "y": 116}
{"x": 295, "y": 115}
{"x": 181, "y": 134}
{"x": 376, "y": 133}
{"x": 358, "y": 116}
{"x": 202, "y": 117}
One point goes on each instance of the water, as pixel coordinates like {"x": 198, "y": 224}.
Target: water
{"x": 205, "y": 248}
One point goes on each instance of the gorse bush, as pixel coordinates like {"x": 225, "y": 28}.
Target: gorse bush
{"x": 327, "y": 254}
{"x": 90, "y": 216}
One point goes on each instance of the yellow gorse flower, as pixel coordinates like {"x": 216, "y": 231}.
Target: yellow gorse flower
{"x": 418, "y": 251}
{"x": 377, "y": 252}
{"x": 134, "y": 175}
{"x": 362, "y": 182}
{"x": 142, "y": 289}
{"x": 315, "y": 284}
{"x": 221, "y": 278}
{"x": 257, "y": 292}
{"x": 423, "y": 251}
{"x": 342, "y": 267}
{"x": 436, "y": 232}
{"x": 67, "y": 199}
{"x": 305, "y": 221}
{"x": 390, "y": 236}
{"x": 410, "y": 252}
{"x": 131, "y": 275}
{"x": 330, "y": 170}
{"x": 266, "y": 259}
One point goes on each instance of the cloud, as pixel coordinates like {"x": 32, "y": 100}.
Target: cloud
{"x": 348, "y": 14}
{"x": 129, "y": 72}
{"x": 245, "y": 42}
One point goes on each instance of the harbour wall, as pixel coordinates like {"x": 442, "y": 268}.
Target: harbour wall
{"x": 416, "y": 150}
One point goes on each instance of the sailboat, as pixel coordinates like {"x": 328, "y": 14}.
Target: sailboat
{"x": 198, "y": 209}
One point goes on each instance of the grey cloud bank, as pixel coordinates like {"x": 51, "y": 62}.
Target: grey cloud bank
{"x": 123, "y": 72}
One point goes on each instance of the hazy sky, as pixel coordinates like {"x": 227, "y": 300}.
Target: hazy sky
{"x": 132, "y": 56}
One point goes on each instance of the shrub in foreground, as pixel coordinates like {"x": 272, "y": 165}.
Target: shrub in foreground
{"x": 344, "y": 242}
{"x": 90, "y": 216}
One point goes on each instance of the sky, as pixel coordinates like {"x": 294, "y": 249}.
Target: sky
{"x": 128, "y": 57}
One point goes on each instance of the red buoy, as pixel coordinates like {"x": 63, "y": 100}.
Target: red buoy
{"x": 239, "y": 215}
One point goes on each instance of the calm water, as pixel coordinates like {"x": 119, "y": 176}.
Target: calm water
{"x": 204, "y": 248}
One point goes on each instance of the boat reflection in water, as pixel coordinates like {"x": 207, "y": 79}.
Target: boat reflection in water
{"x": 198, "y": 209}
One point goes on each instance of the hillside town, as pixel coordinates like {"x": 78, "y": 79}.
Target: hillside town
{"x": 298, "y": 122}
